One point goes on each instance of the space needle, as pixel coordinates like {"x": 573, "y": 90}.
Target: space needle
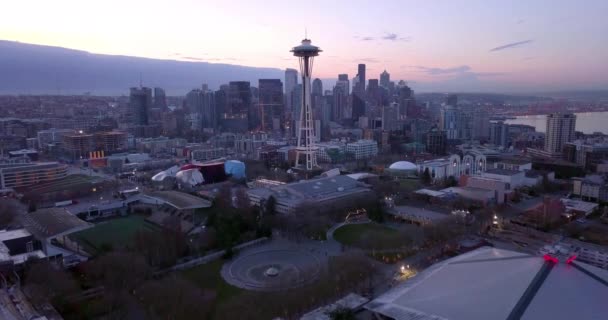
{"x": 306, "y": 53}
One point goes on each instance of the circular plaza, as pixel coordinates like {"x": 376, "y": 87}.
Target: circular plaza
{"x": 272, "y": 269}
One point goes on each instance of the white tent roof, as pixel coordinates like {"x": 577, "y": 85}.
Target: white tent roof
{"x": 403, "y": 165}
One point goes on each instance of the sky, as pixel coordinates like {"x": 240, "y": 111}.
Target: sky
{"x": 472, "y": 45}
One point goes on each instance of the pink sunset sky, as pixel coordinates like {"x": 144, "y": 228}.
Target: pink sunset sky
{"x": 464, "y": 45}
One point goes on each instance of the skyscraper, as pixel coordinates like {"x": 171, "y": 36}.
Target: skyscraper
{"x": 481, "y": 124}
{"x": 390, "y": 117}
{"x": 291, "y": 81}
{"x": 140, "y": 102}
{"x": 271, "y": 104}
{"x": 406, "y": 100}
{"x": 237, "y": 108}
{"x": 358, "y": 99}
{"x": 436, "y": 141}
{"x": 202, "y": 108}
{"x": 449, "y": 122}
{"x": 451, "y": 100}
{"x": 306, "y": 131}
{"x": 385, "y": 79}
{"x": 361, "y": 75}
{"x": 317, "y": 87}
{"x": 498, "y": 133}
{"x": 340, "y": 96}
{"x": 374, "y": 93}
{"x": 560, "y": 129}
{"x": 160, "y": 99}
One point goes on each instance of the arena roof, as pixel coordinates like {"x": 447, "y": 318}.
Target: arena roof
{"x": 490, "y": 283}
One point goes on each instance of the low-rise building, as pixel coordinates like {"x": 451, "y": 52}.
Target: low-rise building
{"x": 482, "y": 196}
{"x": 16, "y": 247}
{"x": 363, "y": 149}
{"x": 22, "y": 174}
{"x": 324, "y": 193}
{"x": 513, "y": 178}
{"x": 590, "y": 188}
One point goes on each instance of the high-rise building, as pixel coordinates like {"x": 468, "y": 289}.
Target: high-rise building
{"x": 498, "y": 133}
{"x": 140, "y": 103}
{"x": 436, "y": 141}
{"x": 361, "y": 76}
{"x": 306, "y": 130}
{"x": 235, "y": 117}
{"x": 358, "y": 108}
{"x": 481, "y": 124}
{"x": 451, "y": 100}
{"x": 291, "y": 81}
{"x": 270, "y": 104}
{"x": 407, "y": 104}
{"x": 385, "y": 79}
{"x": 340, "y": 96}
{"x": 202, "y": 105}
{"x": 160, "y": 99}
{"x": 449, "y": 122}
{"x": 374, "y": 93}
{"x": 560, "y": 130}
{"x": 390, "y": 117}
{"x": 317, "y": 87}
{"x": 296, "y": 100}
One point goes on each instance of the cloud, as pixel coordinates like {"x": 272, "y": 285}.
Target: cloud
{"x": 193, "y": 58}
{"x": 441, "y": 71}
{"x": 388, "y": 36}
{"x": 520, "y": 21}
{"x": 511, "y": 45}
{"x": 455, "y": 72}
{"x": 368, "y": 60}
{"x": 528, "y": 58}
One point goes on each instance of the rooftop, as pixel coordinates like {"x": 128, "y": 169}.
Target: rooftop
{"x": 514, "y": 161}
{"x": 504, "y": 172}
{"x": 180, "y": 200}
{"x": 53, "y": 222}
{"x": 490, "y": 283}
{"x": 315, "y": 189}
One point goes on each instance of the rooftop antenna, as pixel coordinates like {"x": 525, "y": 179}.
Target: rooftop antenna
{"x": 305, "y": 33}
{"x": 140, "y": 81}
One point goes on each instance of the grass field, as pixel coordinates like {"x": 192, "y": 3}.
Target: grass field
{"x": 371, "y": 236}
{"x": 116, "y": 233}
{"x": 208, "y": 277}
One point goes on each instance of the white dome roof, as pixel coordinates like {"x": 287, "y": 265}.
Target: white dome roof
{"x": 403, "y": 165}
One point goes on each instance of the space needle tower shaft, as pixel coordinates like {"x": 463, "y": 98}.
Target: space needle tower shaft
{"x": 306, "y": 131}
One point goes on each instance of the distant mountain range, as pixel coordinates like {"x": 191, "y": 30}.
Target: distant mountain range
{"x": 35, "y": 69}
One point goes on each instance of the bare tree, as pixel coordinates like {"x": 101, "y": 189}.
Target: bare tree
{"x": 175, "y": 298}
{"x": 9, "y": 209}
{"x": 44, "y": 281}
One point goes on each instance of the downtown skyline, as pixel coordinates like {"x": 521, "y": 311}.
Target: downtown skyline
{"x": 439, "y": 46}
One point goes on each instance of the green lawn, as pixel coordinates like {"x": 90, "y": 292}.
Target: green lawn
{"x": 409, "y": 184}
{"x": 117, "y": 233}
{"x": 371, "y": 236}
{"x": 208, "y": 277}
